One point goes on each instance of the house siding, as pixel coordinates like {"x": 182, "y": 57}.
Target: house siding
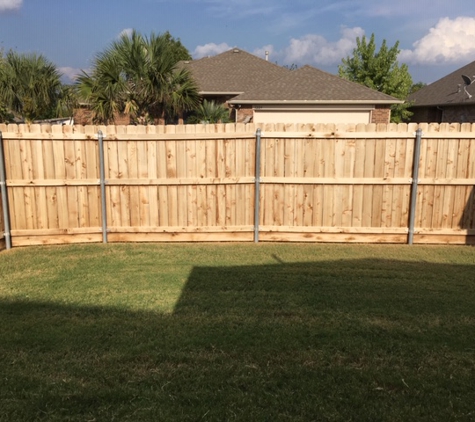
{"x": 312, "y": 116}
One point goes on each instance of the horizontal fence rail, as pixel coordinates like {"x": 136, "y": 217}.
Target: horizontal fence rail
{"x": 236, "y": 182}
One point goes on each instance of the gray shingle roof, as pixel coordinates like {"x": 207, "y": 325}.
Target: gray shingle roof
{"x": 447, "y": 90}
{"x": 234, "y": 71}
{"x": 311, "y": 85}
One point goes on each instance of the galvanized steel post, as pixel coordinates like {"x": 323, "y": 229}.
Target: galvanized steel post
{"x": 415, "y": 184}
{"x": 257, "y": 193}
{"x": 100, "y": 137}
{"x": 3, "y": 188}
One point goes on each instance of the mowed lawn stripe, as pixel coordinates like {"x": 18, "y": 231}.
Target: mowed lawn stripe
{"x": 213, "y": 332}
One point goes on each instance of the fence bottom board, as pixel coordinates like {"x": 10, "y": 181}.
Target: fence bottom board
{"x": 304, "y": 230}
{"x": 240, "y": 236}
{"x": 435, "y": 239}
{"x": 178, "y": 229}
{"x": 332, "y": 237}
{"x": 55, "y": 239}
{"x": 181, "y": 237}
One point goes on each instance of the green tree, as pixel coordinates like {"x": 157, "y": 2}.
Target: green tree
{"x": 210, "y": 112}
{"x": 30, "y": 87}
{"x": 177, "y": 50}
{"x": 381, "y": 71}
{"x": 139, "y": 75}
{"x": 5, "y": 115}
{"x": 416, "y": 87}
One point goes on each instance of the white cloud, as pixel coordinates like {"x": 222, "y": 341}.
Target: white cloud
{"x": 317, "y": 50}
{"x": 310, "y": 49}
{"x": 6, "y": 5}
{"x": 210, "y": 49}
{"x": 450, "y": 41}
{"x": 127, "y": 32}
{"x": 69, "y": 74}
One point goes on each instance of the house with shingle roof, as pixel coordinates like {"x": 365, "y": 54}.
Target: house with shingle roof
{"x": 232, "y": 72}
{"x": 450, "y": 99}
{"x": 257, "y": 89}
{"x": 310, "y": 95}
{"x": 226, "y": 75}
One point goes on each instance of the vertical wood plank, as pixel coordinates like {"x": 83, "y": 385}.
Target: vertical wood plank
{"x": 181, "y": 171}
{"x": 193, "y": 170}
{"x": 346, "y": 203}
{"x": 152, "y": 191}
{"x": 162, "y": 173}
{"x": 123, "y": 166}
{"x": 133, "y": 172}
{"x": 221, "y": 191}
{"x": 230, "y": 168}
{"x": 211, "y": 171}
{"x": 328, "y": 157}
{"x": 358, "y": 191}
{"x": 281, "y": 168}
{"x": 379, "y": 172}
{"x": 143, "y": 173}
{"x": 172, "y": 191}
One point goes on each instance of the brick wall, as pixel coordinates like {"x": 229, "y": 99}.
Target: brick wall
{"x": 444, "y": 114}
{"x": 381, "y": 114}
{"x": 244, "y": 114}
{"x": 461, "y": 114}
{"x": 84, "y": 116}
{"x": 426, "y": 114}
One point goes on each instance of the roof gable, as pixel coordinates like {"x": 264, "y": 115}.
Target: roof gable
{"x": 448, "y": 90}
{"x": 234, "y": 71}
{"x": 308, "y": 84}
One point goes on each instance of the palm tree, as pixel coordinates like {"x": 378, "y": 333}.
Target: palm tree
{"x": 181, "y": 95}
{"x": 103, "y": 91}
{"x": 139, "y": 75}
{"x": 30, "y": 86}
{"x": 210, "y": 112}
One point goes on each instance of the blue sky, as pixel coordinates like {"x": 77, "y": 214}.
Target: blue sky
{"x": 436, "y": 36}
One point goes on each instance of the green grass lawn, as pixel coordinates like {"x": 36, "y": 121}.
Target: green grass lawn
{"x": 224, "y": 332}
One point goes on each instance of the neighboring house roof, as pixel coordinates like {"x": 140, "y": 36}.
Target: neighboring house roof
{"x": 311, "y": 86}
{"x": 448, "y": 90}
{"x": 232, "y": 72}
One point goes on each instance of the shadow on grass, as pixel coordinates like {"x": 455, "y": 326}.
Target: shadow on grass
{"x": 341, "y": 340}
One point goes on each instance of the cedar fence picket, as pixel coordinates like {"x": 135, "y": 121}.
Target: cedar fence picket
{"x": 317, "y": 183}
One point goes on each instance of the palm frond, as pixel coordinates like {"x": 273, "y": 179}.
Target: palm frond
{"x": 138, "y": 75}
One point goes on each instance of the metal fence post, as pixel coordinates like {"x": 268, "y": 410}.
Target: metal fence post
{"x": 414, "y": 187}
{"x": 100, "y": 137}
{"x": 257, "y": 194}
{"x": 4, "y": 193}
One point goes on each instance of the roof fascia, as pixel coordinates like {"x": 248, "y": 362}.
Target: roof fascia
{"x": 443, "y": 105}
{"x": 219, "y": 93}
{"x": 301, "y": 102}
{"x": 322, "y": 107}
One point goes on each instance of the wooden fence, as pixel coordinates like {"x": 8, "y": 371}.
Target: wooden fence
{"x": 317, "y": 183}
